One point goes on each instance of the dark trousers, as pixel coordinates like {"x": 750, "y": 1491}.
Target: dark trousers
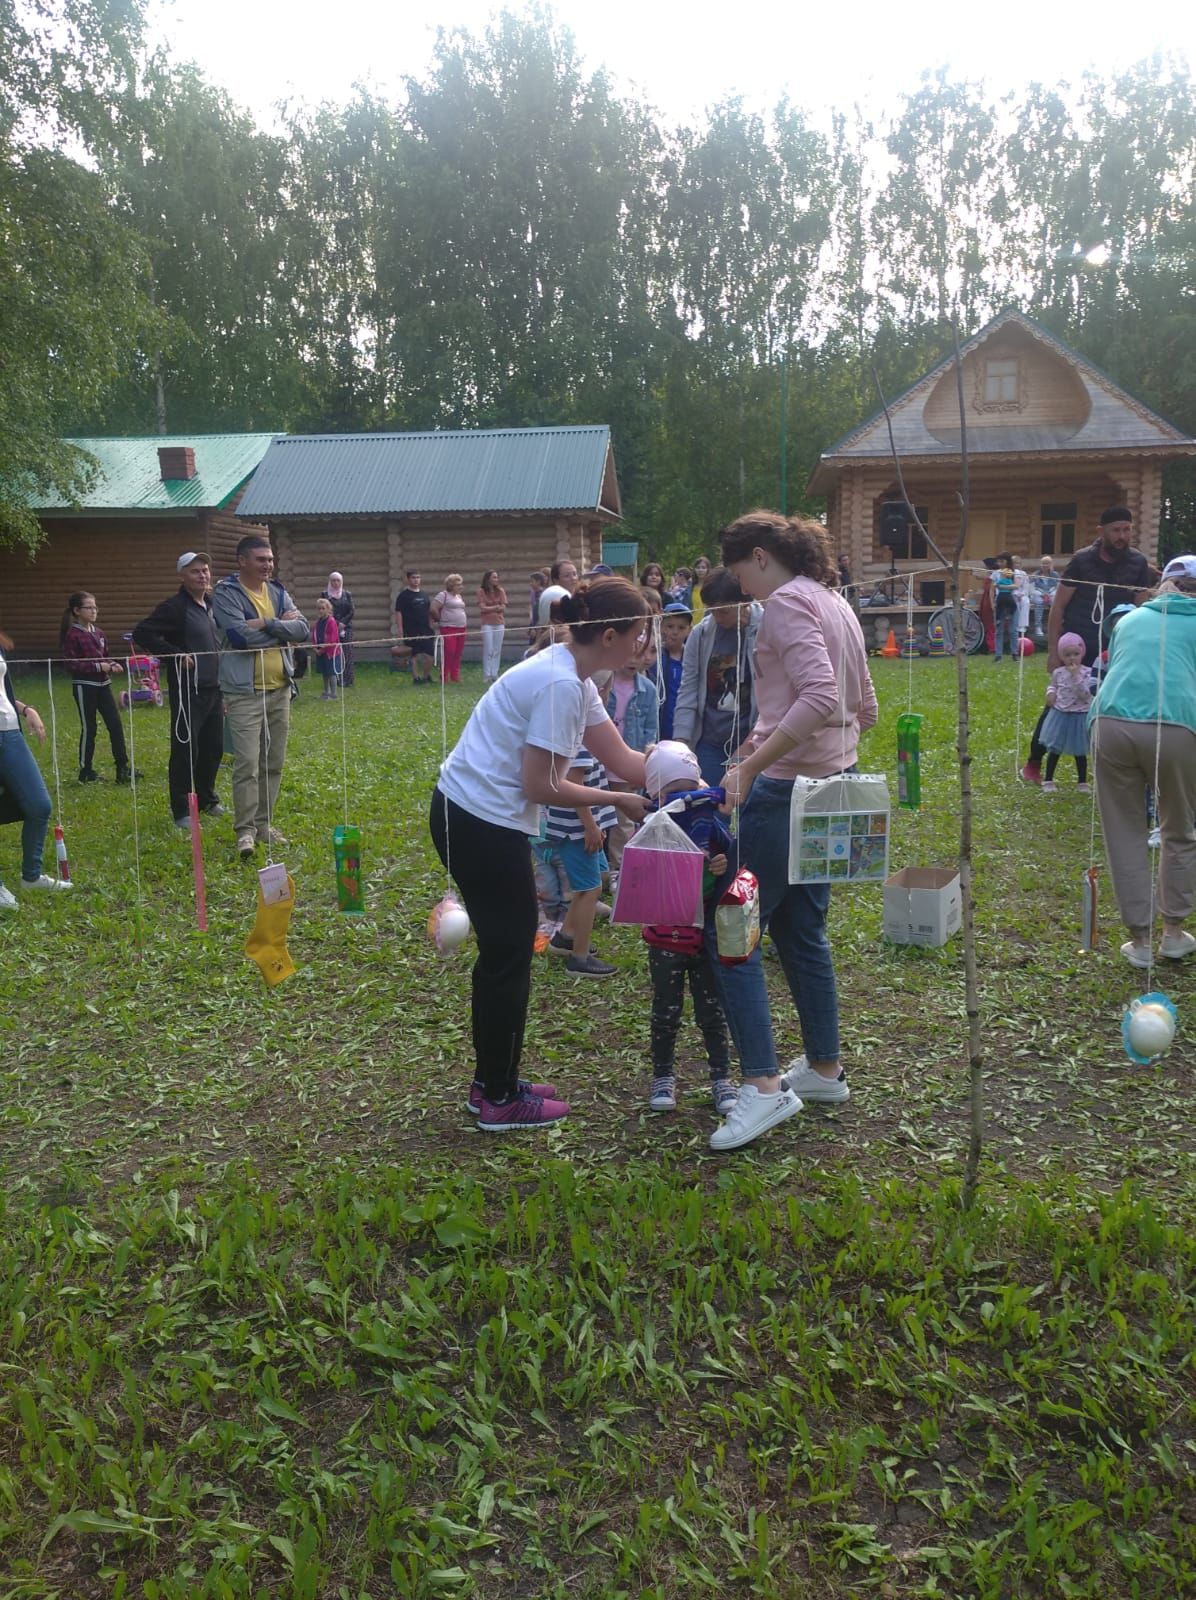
{"x": 91, "y": 698}
{"x": 669, "y": 970}
{"x": 202, "y": 710}
{"x": 492, "y": 867}
{"x": 1053, "y": 762}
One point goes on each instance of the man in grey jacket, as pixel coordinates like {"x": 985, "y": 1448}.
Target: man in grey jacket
{"x": 716, "y": 703}
{"x": 257, "y": 623}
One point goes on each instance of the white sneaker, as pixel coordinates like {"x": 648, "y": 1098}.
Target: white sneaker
{"x": 1175, "y": 946}
{"x": 1049, "y": 787}
{"x": 800, "y": 1076}
{"x": 8, "y": 900}
{"x": 753, "y": 1114}
{"x": 1138, "y": 955}
{"x": 55, "y": 885}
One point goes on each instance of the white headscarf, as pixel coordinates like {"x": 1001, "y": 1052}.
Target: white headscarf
{"x": 336, "y": 585}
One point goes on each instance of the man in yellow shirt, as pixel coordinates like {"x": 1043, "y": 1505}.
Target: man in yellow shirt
{"x": 257, "y": 623}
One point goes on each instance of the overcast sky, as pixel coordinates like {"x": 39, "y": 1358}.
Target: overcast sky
{"x": 679, "y": 57}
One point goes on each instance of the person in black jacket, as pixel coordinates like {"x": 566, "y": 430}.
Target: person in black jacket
{"x": 343, "y": 610}
{"x": 182, "y": 632}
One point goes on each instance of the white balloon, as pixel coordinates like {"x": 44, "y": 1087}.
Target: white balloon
{"x": 454, "y": 927}
{"x": 1151, "y": 1029}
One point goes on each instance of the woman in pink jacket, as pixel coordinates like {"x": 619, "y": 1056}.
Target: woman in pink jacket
{"x": 814, "y": 698}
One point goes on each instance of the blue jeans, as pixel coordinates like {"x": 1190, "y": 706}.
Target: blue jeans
{"x": 795, "y": 916}
{"x": 712, "y": 758}
{"x": 21, "y": 776}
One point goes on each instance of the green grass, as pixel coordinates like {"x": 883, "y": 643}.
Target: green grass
{"x": 275, "y": 1320}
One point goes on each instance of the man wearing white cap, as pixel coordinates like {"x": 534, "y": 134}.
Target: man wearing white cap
{"x": 182, "y": 632}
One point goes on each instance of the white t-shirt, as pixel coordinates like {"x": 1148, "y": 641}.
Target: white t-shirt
{"x": 554, "y": 591}
{"x": 9, "y": 721}
{"x": 541, "y": 702}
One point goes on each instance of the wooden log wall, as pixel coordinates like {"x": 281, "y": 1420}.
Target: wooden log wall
{"x": 374, "y": 558}
{"x": 128, "y": 563}
{"x": 1006, "y": 506}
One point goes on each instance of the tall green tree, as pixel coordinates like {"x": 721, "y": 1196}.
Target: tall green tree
{"x": 71, "y": 315}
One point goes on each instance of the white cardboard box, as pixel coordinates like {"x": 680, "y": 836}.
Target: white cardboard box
{"x": 922, "y": 905}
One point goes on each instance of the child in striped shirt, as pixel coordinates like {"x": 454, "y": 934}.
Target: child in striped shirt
{"x": 574, "y": 838}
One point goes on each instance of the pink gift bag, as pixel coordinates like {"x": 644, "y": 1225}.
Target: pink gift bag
{"x": 660, "y": 879}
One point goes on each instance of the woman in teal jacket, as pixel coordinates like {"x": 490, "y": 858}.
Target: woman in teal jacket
{"x": 1143, "y": 720}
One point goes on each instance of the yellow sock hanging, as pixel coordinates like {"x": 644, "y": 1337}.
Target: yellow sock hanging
{"x": 267, "y": 944}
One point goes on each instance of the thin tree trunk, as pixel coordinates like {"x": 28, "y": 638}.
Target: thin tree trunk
{"x": 971, "y": 1171}
{"x": 975, "y": 1150}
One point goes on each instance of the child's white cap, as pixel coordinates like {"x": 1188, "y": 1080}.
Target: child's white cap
{"x": 670, "y": 762}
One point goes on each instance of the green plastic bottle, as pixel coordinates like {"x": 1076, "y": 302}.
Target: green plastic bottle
{"x": 909, "y": 759}
{"x": 346, "y": 847}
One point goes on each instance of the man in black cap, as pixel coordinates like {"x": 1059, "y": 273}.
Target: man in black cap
{"x": 181, "y": 630}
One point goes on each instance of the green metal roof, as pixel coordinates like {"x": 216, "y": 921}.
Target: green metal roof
{"x": 470, "y": 473}
{"x": 130, "y": 478}
{"x": 620, "y": 552}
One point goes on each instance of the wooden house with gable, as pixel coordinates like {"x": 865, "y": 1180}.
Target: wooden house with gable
{"x": 1052, "y": 442}
{"x": 372, "y": 506}
{"x": 152, "y": 499}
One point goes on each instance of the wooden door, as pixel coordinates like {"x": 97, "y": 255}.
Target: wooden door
{"x": 986, "y": 536}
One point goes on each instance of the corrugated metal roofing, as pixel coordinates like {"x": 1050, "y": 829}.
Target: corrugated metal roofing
{"x": 392, "y": 474}
{"x": 620, "y": 552}
{"x": 130, "y": 478}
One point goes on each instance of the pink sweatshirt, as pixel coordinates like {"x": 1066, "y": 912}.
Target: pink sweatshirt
{"x": 808, "y": 644}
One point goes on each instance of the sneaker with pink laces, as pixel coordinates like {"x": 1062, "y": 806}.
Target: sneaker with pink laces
{"x": 520, "y": 1111}
{"x": 546, "y": 1091}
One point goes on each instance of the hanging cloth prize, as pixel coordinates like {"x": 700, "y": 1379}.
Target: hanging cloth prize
{"x": 660, "y": 879}
{"x": 839, "y": 829}
{"x": 737, "y": 919}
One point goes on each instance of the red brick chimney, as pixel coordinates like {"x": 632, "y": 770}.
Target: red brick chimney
{"x": 176, "y": 462}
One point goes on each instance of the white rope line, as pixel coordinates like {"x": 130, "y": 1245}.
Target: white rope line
{"x": 389, "y": 639}
{"x": 1092, "y": 808}
{"x": 909, "y": 645}
{"x": 54, "y": 741}
{"x": 132, "y": 706}
{"x": 1157, "y": 865}
{"x": 344, "y": 751}
{"x": 1021, "y": 682}
{"x": 264, "y": 755}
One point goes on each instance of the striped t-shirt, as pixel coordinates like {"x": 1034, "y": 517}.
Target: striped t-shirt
{"x": 563, "y": 822}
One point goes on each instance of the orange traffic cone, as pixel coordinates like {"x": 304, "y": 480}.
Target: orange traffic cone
{"x": 890, "y": 648}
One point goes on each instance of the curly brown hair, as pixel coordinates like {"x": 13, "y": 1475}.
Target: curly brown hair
{"x": 799, "y": 544}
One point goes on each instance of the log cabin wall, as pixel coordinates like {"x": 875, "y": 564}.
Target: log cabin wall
{"x": 129, "y": 563}
{"x": 1006, "y": 507}
{"x": 374, "y": 559}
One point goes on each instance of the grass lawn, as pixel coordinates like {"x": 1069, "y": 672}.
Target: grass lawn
{"x": 275, "y": 1320}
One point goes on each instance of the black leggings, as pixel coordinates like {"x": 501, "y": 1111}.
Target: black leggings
{"x": 1053, "y": 762}
{"x": 492, "y": 867}
{"x": 90, "y": 699}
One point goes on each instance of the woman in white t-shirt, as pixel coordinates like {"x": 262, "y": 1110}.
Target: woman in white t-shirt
{"x": 513, "y": 757}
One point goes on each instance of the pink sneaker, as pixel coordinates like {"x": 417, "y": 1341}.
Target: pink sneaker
{"x": 1031, "y": 772}
{"x": 524, "y": 1111}
{"x": 546, "y": 1091}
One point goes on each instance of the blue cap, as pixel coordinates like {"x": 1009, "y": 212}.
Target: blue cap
{"x": 601, "y": 570}
{"x": 676, "y": 609}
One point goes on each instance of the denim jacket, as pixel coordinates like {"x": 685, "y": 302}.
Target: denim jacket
{"x": 641, "y": 725}
{"x": 231, "y": 609}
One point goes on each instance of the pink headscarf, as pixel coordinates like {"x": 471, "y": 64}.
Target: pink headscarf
{"x": 336, "y": 586}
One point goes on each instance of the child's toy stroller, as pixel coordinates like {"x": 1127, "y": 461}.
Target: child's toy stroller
{"x": 145, "y": 687}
